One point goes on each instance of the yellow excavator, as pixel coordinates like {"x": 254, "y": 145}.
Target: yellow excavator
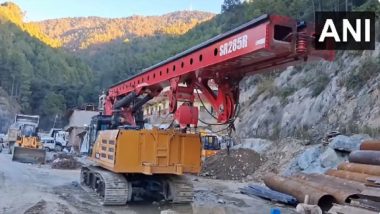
{"x": 210, "y": 144}
{"x": 27, "y": 148}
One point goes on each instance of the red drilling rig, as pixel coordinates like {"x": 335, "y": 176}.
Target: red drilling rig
{"x": 128, "y": 155}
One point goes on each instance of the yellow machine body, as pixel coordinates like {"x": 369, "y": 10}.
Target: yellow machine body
{"x": 148, "y": 151}
{"x": 208, "y": 153}
{"x": 29, "y": 150}
{"x": 29, "y": 142}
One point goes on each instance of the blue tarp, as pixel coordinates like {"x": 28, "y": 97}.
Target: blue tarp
{"x": 264, "y": 192}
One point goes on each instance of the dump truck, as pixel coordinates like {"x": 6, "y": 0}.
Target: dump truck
{"x": 130, "y": 161}
{"x": 23, "y": 140}
{"x": 12, "y": 137}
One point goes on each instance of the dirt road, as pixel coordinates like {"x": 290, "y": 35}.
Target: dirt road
{"x": 33, "y": 189}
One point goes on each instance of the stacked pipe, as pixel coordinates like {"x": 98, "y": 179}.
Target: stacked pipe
{"x": 350, "y": 181}
{"x": 364, "y": 165}
{"x": 300, "y": 189}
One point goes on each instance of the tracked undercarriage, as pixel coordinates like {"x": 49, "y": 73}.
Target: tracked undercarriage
{"x": 118, "y": 189}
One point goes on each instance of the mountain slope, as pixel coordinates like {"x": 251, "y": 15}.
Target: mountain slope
{"x": 80, "y": 33}
{"x": 11, "y": 12}
{"x": 42, "y": 79}
{"x": 311, "y": 100}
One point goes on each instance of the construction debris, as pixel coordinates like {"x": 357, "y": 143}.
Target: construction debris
{"x": 367, "y": 204}
{"x": 306, "y": 208}
{"x": 234, "y": 166}
{"x": 339, "y": 209}
{"x": 264, "y": 192}
{"x": 64, "y": 161}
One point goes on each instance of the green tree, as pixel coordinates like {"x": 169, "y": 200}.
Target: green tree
{"x": 229, "y": 5}
{"x": 53, "y": 104}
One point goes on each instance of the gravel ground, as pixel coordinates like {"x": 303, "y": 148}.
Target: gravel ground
{"x": 38, "y": 189}
{"x": 234, "y": 166}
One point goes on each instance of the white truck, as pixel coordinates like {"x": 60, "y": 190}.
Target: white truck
{"x": 56, "y": 140}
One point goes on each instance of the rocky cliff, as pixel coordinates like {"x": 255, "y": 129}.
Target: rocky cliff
{"x": 309, "y": 100}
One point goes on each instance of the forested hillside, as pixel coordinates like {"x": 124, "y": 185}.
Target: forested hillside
{"x": 11, "y": 12}
{"x": 81, "y": 33}
{"x": 43, "y": 80}
{"x": 47, "y": 80}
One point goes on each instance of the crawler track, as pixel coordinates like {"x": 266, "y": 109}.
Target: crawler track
{"x": 181, "y": 189}
{"x": 110, "y": 188}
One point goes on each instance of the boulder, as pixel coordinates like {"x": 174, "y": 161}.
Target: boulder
{"x": 329, "y": 158}
{"x": 348, "y": 144}
{"x": 308, "y": 157}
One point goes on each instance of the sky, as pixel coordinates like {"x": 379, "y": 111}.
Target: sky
{"x": 37, "y": 10}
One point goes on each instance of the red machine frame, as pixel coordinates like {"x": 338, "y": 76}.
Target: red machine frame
{"x": 265, "y": 43}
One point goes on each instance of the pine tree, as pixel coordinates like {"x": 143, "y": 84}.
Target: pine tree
{"x": 229, "y": 5}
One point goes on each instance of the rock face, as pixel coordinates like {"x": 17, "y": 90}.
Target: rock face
{"x": 256, "y": 144}
{"x": 307, "y": 101}
{"x": 8, "y": 109}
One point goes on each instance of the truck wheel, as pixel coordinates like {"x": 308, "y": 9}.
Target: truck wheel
{"x": 58, "y": 148}
{"x": 47, "y": 149}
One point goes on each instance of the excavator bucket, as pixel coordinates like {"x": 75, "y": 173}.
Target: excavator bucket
{"x": 29, "y": 155}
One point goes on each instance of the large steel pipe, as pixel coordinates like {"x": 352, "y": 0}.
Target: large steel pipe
{"x": 299, "y": 190}
{"x": 370, "y": 145}
{"x": 338, "y": 181}
{"x": 360, "y": 168}
{"x": 342, "y": 193}
{"x": 354, "y": 176}
{"x": 365, "y": 157}
{"x": 141, "y": 102}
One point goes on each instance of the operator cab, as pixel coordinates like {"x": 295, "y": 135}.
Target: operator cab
{"x": 28, "y": 130}
{"x": 210, "y": 145}
{"x": 210, "y": 142}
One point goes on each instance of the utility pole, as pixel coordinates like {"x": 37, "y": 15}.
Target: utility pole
{"x": 55, "y": 120}
{"x": 13, "y": 83}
